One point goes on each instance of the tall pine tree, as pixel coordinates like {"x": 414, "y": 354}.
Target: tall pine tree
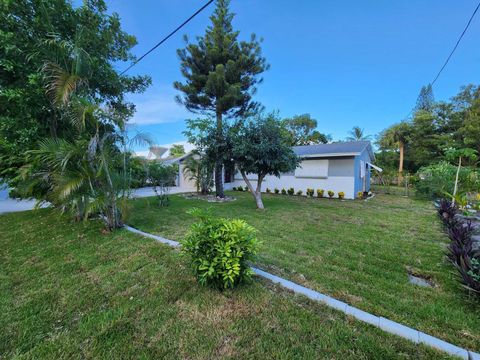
{"x": 425, "y": 100}
{"x": 221, "y": 74}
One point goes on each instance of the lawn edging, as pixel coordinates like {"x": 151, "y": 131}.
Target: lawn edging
{"x": 382, "y": 323}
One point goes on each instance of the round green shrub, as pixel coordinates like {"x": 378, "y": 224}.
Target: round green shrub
{"x": 219, "y": 250}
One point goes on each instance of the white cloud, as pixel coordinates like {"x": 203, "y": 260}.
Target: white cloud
{"x": 157, "y": 106}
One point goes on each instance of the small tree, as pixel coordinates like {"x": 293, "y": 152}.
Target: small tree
{"x": 459, "y": 154}
{"x": 199, "y": 170}
{"x": 261, "y": 147}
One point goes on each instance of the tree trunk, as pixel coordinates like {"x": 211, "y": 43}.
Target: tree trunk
{"x": 455, "y": 188}
{"x": 219, "y": 162}
{"x": 400, "y": 164}
{"x": 256, "y": 193}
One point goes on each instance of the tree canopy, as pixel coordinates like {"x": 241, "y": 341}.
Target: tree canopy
{"x": 430, "y": 133}
{"x": 84, "y": 42}
{"x": 261, "y": 147}
{"x": 302, "y": 130}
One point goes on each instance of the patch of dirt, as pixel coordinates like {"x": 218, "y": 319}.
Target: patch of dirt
{"x": 427, "y": 279}
{"x": 208, "y": 198}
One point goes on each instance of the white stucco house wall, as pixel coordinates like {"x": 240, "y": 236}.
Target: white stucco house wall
{"x": 343, "y": 166}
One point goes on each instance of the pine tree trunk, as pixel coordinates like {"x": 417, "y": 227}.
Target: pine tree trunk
{"x": 219, "y": 162}
{"x": 400, "y": 164}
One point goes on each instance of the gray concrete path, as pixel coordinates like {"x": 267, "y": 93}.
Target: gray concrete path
{"x": 148, "y": 191}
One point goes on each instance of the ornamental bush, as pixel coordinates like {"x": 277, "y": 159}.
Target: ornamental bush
{"x": 341, "y": 195}
{"x": 320, "y": 193}
{"x": 219, "y": 250}
{"x": 284, "y": 192}
{"x": 291, "y": 191}
{"x": 299, "y": 192}
{"x": 330, "y": 193}
{"x": 268, "y": 191}
{"x": 310, "y": 192}
{"x": 276, "y": 191}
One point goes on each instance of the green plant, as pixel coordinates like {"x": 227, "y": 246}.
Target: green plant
{"x": 330, "y": 193}
{"x": 199, "y": 169}
{"x": 437, "y": 179}
{"x": 299, "y": 192}
{"x": 284, "y": 192}
{"x": 268, "y": 191}
{"x": 219, "y": 249}
{"x": 310, "y": 192}
{"x": 360, "y": 194}
{"x": 276, "y": 191}
{"x": 246, "y": 188}
{"x": 341, "y": 195}
{"x": 291, "y": 191}
{"x": 234, "y": 188}
{"x": 320, "y": 193}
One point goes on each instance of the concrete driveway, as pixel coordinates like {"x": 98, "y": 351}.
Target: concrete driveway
{"x": 13, "y": 205}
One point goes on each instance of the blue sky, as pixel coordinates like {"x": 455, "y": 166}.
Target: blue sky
{"x": 346, "y": 63}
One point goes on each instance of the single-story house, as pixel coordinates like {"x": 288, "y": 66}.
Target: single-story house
{"x": 342, "y": 166}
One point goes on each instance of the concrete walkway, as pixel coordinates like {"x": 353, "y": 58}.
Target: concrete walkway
{"x": 148, "y": 191}
{"x": 13, "y": 205}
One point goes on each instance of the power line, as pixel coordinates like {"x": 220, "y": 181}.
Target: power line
{"x": 168, "y": 36}
{"x": 456, "y": 45}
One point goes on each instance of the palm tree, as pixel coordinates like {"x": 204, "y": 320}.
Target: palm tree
{"x": 357, "y": 134}
{"x": 396, "y": 136}
{"x": 198, "y": 169}
{"x": 86, "y": 174}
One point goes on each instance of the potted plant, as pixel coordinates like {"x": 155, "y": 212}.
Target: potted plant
{"x": 330, "y": 193}
{"x": 341, "y": 195}
{"x": 310, "y": 192}
{"x": 320, "y": 193}
{"x": 291, "y": 191}
{"x": 284, "y": 192}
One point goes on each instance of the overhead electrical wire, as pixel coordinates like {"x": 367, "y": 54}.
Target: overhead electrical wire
{"x": 167, "y": 37}
{"x": 456, "y": 45}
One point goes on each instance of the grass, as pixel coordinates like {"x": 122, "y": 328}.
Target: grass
{"x": 68, "y": 291}
{"x": 356, "y": 251}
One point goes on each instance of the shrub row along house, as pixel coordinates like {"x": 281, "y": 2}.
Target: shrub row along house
{"x": 340, "y": 167}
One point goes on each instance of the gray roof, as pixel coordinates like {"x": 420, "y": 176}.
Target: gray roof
{"x": 334, "y": 149}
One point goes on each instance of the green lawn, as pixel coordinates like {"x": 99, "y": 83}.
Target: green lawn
{"x": 356, "y": 251}
{"x": 68, "y": 291}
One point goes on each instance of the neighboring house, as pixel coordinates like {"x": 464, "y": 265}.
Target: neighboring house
{"x": 343, "y": 166}
{"x": 183, "y": 179}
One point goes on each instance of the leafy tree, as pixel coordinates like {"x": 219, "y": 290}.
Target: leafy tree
{"x": 177, "y": 150}
{"x": 302, "y": 130}
{"x": 34, "y": 37}
{"x": 357, "y": 134}
{"x": 261, "y": 147}
{"x": 425, "y": 100}
{"x": 395, "y": 137}
{"x": 221, "y": 74}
